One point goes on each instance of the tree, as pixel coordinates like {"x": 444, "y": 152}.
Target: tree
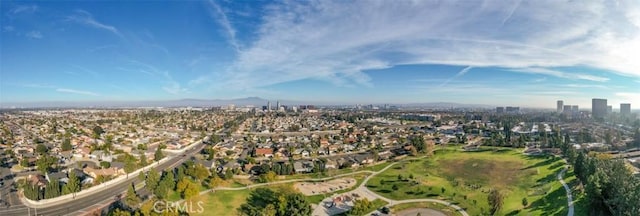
{"x": 143, "y": 160}
{"x": 268, "y": 177}
{"x": 152, "y": 180}
{"x": 131, "y": 199}
{"x": 158, "y": 155}
{"x": 200, "y": 172}
{"x": 215, "y": 180}
{"x": 190, "y": 191}
{"x": 66, "y": 144}
{"x": 120, "y": 212}
{"x": 45, "y": 162}
{"x": 129, "y": 166}
{"x": 73, "y": 185}
{"x": 525, "y": 202}
{"x": 281, "y": 202}
{"x": 97, "y": 131}
{"x": 495, "y": 201}
{"x": 418, "y": 143}
{"x": 52, "y": 190}
{"x": 297, "y": 205}
{"x": 41, "y": 149}
{"x": 228, "y": 174}
{"x": 269, "y": 210}
{"x": 360, "y": 207}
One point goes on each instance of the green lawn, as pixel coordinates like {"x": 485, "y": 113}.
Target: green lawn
{"x": 222, "y": 202}
{"x": 466, "y": 177}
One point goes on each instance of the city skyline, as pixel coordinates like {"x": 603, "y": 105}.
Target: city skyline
{"x": 332, "y": 52}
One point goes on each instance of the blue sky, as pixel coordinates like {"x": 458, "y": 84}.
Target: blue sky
{"x": 526, "y": 53}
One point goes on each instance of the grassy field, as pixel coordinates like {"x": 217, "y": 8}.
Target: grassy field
{"x": 223, "y": 202}
{"x": 466, "y": 177}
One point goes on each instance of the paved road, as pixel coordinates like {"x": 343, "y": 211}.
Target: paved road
{"x": 97, "y": 199}
{"x": 568, "y": 190}
{"x": 421, "y": 211}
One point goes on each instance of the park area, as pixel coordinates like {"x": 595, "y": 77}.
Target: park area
{"x": 528, "y": 183}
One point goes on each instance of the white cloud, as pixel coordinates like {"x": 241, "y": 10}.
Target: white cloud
{"x": 170, "y": 85}
{"x": 73, "y": 91}
{"x": 8, "y": 28}
{"x": 557, "y": 73}
{"x": 220, "y": 16}
{"x": 86, "y": 18}
{"x": 459, "y": 74}
{"x": 34, "y": 35}
{"x": 337, "y": 40}
{"x": 24, "y": 9}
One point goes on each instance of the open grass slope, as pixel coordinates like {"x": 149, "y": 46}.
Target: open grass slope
{"x": 223, "y": 202}
{"x": 466, "y": 177}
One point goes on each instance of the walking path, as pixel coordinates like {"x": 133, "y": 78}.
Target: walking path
{"x": 566, "y": 188}
{"x": 322, "y": 209}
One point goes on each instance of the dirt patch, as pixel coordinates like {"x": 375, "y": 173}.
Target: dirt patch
{"x": 315, "y": 188}
{"x": 480, "y": 171}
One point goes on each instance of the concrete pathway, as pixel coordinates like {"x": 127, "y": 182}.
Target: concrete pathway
{"x": 322, "y": 209}
{"x": 567, "y": 189}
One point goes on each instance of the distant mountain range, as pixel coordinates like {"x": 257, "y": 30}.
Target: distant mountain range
{"x": 255, "y": 101}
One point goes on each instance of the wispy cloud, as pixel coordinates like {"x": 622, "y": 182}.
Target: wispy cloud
{"x": 217, "y": 13}
{"x": 34, "y": 35}
{"x": 24, "y": 9}
{"x": 86, "y": 18}
{"x": 8, "y": 28}
{"x": 73, "y": 91}
{"x": 540, "y": 80}
{"x": 339, "y": 40}
{"x": 35, "y": 85}
{"x": 170, "y": 85}
{"x": 586, "y": 86}
{"x": 86, "y": 70}
{"x": 459, "y": 74}
{"x": 560, "y": 74}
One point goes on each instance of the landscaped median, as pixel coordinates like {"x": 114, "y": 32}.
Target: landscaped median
{"x": 98, "y": 188}
{"x": 84, "y": 193}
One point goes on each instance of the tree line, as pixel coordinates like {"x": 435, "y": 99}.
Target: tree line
{"x": 610, "y": 187}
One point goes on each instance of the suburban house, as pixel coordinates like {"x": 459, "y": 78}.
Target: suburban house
{"x": 302, "y": 167}
{"x": 111, "y": 171}
{"x": 264, "y": 152}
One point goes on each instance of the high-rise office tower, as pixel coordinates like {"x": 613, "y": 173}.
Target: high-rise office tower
{"x": 560, "y": 106}
{"x": 268, "y": 105}
{"x": 575, "y": 109}
{"x": 598, "y": 108}
{"x": 609, "y": 109}
{"x": 625, "y": 109}
{"x": 566, "y": 109}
